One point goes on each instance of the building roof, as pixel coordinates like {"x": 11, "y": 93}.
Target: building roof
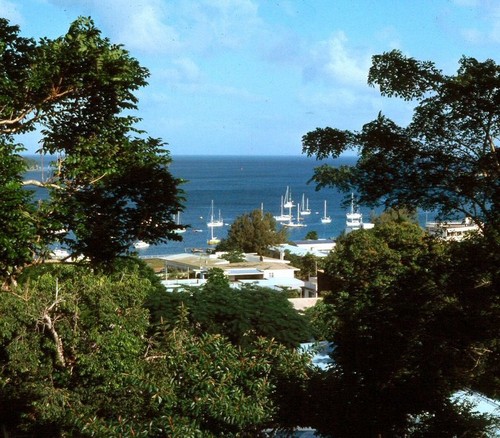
{"x": 204, "y": 261}
{"x": 318, "y": 248}
{"x": 274, "y": 283}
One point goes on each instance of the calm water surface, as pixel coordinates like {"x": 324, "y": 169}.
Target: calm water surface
{"x": 238, "y": 185}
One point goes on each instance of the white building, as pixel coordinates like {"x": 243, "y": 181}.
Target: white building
{"x": 318, "y": 247}
{"x": 451, "y": 230}
{"x": 261, "y": 271}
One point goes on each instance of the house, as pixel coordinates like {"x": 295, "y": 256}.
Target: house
{"x": 256, "y": 270}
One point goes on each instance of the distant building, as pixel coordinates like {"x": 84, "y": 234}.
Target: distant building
{"x": 261, "y": 271}
{"x": 318, "y": 247}
{"x": 451, "y": 230}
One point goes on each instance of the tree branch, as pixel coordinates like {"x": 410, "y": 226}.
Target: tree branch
{"x": 34, "y": 182}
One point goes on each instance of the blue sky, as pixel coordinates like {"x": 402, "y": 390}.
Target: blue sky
{"x": 253, "y": 76}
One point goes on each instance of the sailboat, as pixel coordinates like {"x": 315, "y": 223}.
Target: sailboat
{"x": 288, "y": 203}
{"x": 211, "y": 224}
{"x": 178, "y": 222}
{"x": 293, "y": 224}
{"x": 354, "y": 219}
{"x": 215, "y": 222}
{"x": 304, "y": 207}
{"x": 213, "y": 240}
{"x": 282, "y": 217}
{"x": 325, "y": 219}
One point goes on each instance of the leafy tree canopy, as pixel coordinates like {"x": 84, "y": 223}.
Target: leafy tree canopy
{"x": 253, "y": 232}
{"x": 312, "y": 235}
{"x": 79, "y": 356}
{"x": 110, "y": 183}
{"x": 413, "y": 320}
{"x": 445, "y": 160}
{"x": 241, "y": 315}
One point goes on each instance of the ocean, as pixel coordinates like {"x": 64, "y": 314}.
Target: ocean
{"x": 240, "y": 184}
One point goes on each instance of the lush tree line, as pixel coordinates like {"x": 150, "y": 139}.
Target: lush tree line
{"x": 97, "y": 348}
{"x": 110, "y": 183}
{"x": 414, "y": 319}
{"x": 86, "y": 354}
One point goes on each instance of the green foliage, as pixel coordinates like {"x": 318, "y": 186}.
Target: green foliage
{"x": 223, "y": 390}
{"x": 217, "y": 279}
{"x": 445, "y": 160}
{"x": 412, "y": 323}
{"x": 79, "y": 357}
{"x": 18, "y": 237}
{"x": 320, "y": 320}
{"x": 312, "y": 235}
{"x": 70, "y": 346}
{"x": 241, "y": 315}
{"x": 308, "y": 264}
{"x": 233, "y": 256}
{"x": 111, "y": 183}
{"x": 396, "y": 215}
{"x": 253, "y": 232}
{"x": 415, "y": 319}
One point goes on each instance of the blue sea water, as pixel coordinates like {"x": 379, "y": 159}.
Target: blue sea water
{"x": 240, "y": 184}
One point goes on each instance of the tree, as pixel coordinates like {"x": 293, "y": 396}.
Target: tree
{"x": 406, "y": 337}
{"x": 445, "y": 160}
{"x": 111, "y": 184}
{"x": 312, "y": 235}
{"x": 253, "y": 232}
{"x": 18, "y": 232}
{"x": 240, "y": 315}
{"x": 233, "y": 256}
{"x": 308, "y": 264}
{"x": 79, "y": 356}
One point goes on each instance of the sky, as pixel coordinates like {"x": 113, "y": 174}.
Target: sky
{"x": 251, "y": 77}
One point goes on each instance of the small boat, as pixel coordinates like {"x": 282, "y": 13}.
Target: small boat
{"x": 140, "y": 244}
{"x": 181, "y": 229}
{"x": 215, "y": 222}
{"x": 287, "y": 201}
{"x": 325, "y": 219}
{"x": 213, "y": 240}
{"x": 282, "y": 217}
{"x": 304, "y": 207}
{"x": 293, "y": 224}
{"x": 354, "y": 219}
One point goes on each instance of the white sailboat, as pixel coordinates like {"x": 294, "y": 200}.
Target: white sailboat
{"x": 213, "y": 240}
{"x": 354, "y": 219}
{"x": 215, "y": 222}
{"x": 288, "y": 203}
{"x": 178, "y": 222}
{"x": 211, "y": 224}
{"x": 282, "y": 217}
{"x": 325, "y": 219}
{"x": 293, "y": 224}
{"x": 304, "y": 207}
